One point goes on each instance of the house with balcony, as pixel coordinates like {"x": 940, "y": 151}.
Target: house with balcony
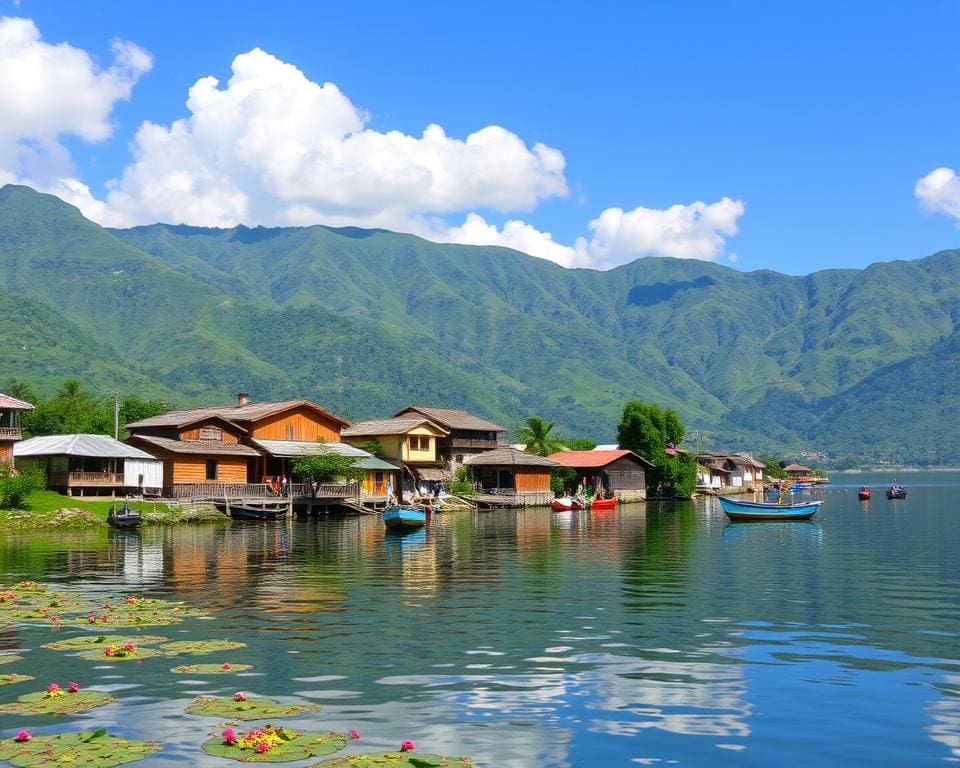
{"x": 10, "y": 433}
{"x": 511, "y": 477}
{"x": 467, "y": 435}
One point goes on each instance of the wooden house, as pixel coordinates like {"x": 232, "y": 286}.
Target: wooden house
{"x": 510, "y": 472}
{"x": 618, "y": 472}
{"x": 10, "y": 433}
{"x": 747, "y": 472}
{"x": 91, "y": 464}
{"x": 713, "y": 471}
{"x": 467, "y": 435}
{"x": 410, "y": 443}
{"x": 798, "y": 472}
{"x": 231, "y": 444}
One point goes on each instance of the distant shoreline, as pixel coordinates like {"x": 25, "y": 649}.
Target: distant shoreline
{"x": 876, "y": 470}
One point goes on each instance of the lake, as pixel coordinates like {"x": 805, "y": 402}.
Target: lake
{"x": 659, "y": 634}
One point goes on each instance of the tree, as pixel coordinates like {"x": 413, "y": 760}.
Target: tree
{"x": 535, "y": 435}
{"x": 772, "y": 468}
{"x": 72, "y": 409}
{"x": 648, "y": 430}
{"x": 134, "y": 409}
{"x": 327, "y": 467}
{"x": 15, "y": 486}
{"x": 580, "y": 444}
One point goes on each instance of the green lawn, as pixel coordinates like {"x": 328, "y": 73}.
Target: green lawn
{"x": 48, "y": 509}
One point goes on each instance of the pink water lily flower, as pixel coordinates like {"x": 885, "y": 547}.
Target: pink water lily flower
{"x": 354, "y": 733}
{"x": 407, "y": 746}
{"x": 229, "y": 736}
{"x": 53, "y": 687}
{"x": 73, "y": 686}
{"x": 108, "y": 650}
{"x": 226, "y": 665}
{"x": 24, "y": 735}
{"x": 129, "y": 647}
{"x": 262, "y": 746}
{"x": 240, "y": 696}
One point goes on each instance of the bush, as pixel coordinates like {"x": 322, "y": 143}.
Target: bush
{"x": 461, "y": 485}
{"x": 15, "y": 486}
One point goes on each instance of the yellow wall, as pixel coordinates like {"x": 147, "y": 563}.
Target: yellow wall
{"x": 299, "y": 424}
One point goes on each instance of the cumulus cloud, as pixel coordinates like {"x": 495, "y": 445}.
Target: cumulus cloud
{"x": 939, "y": 192}
{"x": 695, "y": 231}
{"x": 273, "y": 147}
{"x": 47, "y": 91}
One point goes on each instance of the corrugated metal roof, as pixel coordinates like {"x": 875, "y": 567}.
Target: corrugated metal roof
{"x": 291, "y": 448}
{"x": 594, "y": 459}
{"x": 98, "y": 446}
{"x": 374, "y": 463}
{"x": 196, "y": 447}
{"x": 453, "y": 419}
{"x": 387, "y": 427}
{"x": 8, "y": 403}
{"x": 509, "y": 457}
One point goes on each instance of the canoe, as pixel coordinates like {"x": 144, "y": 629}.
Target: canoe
{"x": 864, "y": 494}
{"x": 404, "y": 518}
{"x": 124, "y": 517}
{"x": 598, "y": 505}
{"x": 754, "y": 510}
{"x": 565, "y": 504}
{"x": 896, "y": 492}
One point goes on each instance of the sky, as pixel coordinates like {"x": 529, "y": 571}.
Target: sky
{"x": 793, "y": 137}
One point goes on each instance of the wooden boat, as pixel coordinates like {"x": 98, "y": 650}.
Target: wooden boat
{"x": 896, "y": 492}
{"x": 123, "y": 517}
{"x": 759, "y": 510}
{"x": 599, "y": 505}
{"x": 404, "y": 518}
{"x": 864, "y": 493}
{"x": 565, "y": 504}
{"x": 253, "y": 509}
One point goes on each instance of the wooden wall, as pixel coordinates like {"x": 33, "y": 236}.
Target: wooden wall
{"x": 194, "y": 434}
{"x": 6, "y": 452}
{"x": 193, "y": 469}
{"x": 299, "y": 424}
{"x": 531, "y": 479}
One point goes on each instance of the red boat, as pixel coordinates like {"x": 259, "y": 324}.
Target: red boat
{"x": 598, "y": 505}
{"x": 864, "y": 493}
{"x": 565, "y": 504}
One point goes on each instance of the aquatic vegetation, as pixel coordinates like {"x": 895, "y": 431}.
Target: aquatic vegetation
{"x": 13, "y": 678}
{"x": 125, "y": 652}
{"x": 271, "y": 744}
{"x": 396, "y": 760}
{"x": 85, "y": 642}
{"x": 9, "y": 658}
{"x": 94, "y": 749}
{"x": 210, "y": 669}
{"x": 199, "y": 647}
{"x": 56, "y": 701}
{"x": 407, "y": 746}
{"x": 246, "y": 708}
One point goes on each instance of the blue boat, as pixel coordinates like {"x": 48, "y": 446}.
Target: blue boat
{"x": 896, "y": 492}
{"x": 404, "y": 518}
{"x": 755, "y": 510}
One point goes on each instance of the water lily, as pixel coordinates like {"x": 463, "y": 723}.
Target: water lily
{"x": 129, "y": 647}
{"x": 407, "y": 746}
{"x": 53, "y": 690}
{"x": 24, "y": 735}
{"x": 354, "y": 733}
{"x": 240, "y": 696}
{"x": 226, "y": 665}
{"x": 108, "y": 650}
{"x": 73, "y": 686}
{"x": 229, "y": 736}
{"x": 261, "y": 747}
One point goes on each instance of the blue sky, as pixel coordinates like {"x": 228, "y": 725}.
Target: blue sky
{"x": 760, "y": 135}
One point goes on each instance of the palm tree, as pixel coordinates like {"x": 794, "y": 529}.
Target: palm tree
{"x": 535, "y": 435}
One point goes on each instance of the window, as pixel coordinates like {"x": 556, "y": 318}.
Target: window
{"x": 211, "y": 469}
{"x": 211, "y": 433}
{"x": 419, "y": 443}
{"x": 290, "y": 433}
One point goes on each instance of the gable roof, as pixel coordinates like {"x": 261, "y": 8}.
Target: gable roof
{"x": 95, "y": 446}
{"x": 394, "y": 426}
{"x": 233, "y": 413}
{"x": 196, "y": 447}
{"x": 8, "y": 403}
{"x": 293, "y": 448}
{"x": 509, "y": 457}
{"x": 796, "y": 468}
{"x": 452, "y": 419}
{"x": 594, "y": 459}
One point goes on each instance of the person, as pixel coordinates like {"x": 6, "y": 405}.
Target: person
{"x": 275, "y": 486}
{"x": 284, "y": 486}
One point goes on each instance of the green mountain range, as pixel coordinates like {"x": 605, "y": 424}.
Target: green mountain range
{"x": 852, "y": 363}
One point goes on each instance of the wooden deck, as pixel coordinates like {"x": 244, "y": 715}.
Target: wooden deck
{"x": 512, "y": 500}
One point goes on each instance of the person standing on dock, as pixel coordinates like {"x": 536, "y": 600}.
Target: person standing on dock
{"x": 284, "y": 486}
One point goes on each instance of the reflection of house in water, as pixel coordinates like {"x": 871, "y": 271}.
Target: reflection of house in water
{"x": 142, "y": 560}
{"x": 945, "y": 713}
{"x": 417, "y": 555}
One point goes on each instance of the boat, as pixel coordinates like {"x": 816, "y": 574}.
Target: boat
{"x": 896, "y": 492}
{"x": 760, "y": 510}
{"x": 253, "y": 509}
{"x": 599, "y": 505}
{"x": 565, "y": 504}
{"x": 404, "y": 518}
{"x": 864, "y": 493}
{"x": 123, "y": 517}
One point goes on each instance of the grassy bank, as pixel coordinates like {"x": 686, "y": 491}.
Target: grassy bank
{"x": 46, "y": 510}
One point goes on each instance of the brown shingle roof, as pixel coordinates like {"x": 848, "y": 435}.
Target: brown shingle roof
{"x": 376, "y": 427}
{"x": 8, "y": 403}
{"x": 510, "y": 457}
{"x": 196, "y": 447}
{"x": 453, "y": 419}
{"x": 249, "y": 412}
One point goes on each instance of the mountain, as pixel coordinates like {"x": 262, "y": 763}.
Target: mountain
{"x": 367, "y": 321}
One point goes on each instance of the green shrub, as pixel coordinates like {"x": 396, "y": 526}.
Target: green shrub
{"x": 16, "y": 486}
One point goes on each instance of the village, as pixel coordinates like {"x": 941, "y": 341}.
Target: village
{"x": 247, "y": 451}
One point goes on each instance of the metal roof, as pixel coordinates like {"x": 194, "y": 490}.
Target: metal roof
{"x": 453, "y": 419}
{"x": 594, "y": 459}
{"x": 98, "y": 446}
{"x": 196, "y": 447}
{"x": 509, "y": 457}
{"x": 374, "y": 463}
{"x": 286, "y": 449}
{"x": 8, "y": 403}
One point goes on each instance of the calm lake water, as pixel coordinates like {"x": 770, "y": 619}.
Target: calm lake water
{"x": 659, "y": 634}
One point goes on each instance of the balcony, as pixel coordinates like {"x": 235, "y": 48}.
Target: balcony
{"x": 466, "y": 443}
{"x": 84, "y": 480}
{"x": 11, "y": 433}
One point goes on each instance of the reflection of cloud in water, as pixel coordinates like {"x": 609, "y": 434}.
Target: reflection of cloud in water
{"x": 945, "y": 713}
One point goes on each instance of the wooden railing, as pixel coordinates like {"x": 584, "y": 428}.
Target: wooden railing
{"x": 257, "y": 490}
{"x": 84, "y": 479}
{"x": 10, "y": 433}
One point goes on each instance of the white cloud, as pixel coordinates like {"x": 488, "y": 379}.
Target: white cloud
{"x": 48, "y": 90}
{"x": 939, "y": 192}
{"x": 273, "y": 147}
{"x": 694, "y": 231}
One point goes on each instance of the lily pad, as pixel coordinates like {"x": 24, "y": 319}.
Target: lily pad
{"x": 97, "y": 654}
{"x": 85, "y": 642}
{"x": 94, "y": 749}
{"x": 126, "y": 619}
{"x": 199, "y": 647}
{"x": 292, "y": 745}
{"x": 11, "y": 679}
{"x": 250, "y": 709}
{"x": 9, "y": 658}
{"x": 65, "y": 704}
{"x": 397, "y": 760}
{"x": 210, "y": 669}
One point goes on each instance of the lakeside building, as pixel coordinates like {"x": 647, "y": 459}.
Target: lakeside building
{"x": 618, "y": 472}
{"x": 719, "y": 472}
{"x": 10, "y": 432}
{"x": 515, "y": 478}
{"x": 82, "y": 464}
{"x": 467, "y": 435}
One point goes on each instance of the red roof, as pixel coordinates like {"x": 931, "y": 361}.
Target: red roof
{"x": 12, "y": 404}
{"x": 590, "y": 459}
